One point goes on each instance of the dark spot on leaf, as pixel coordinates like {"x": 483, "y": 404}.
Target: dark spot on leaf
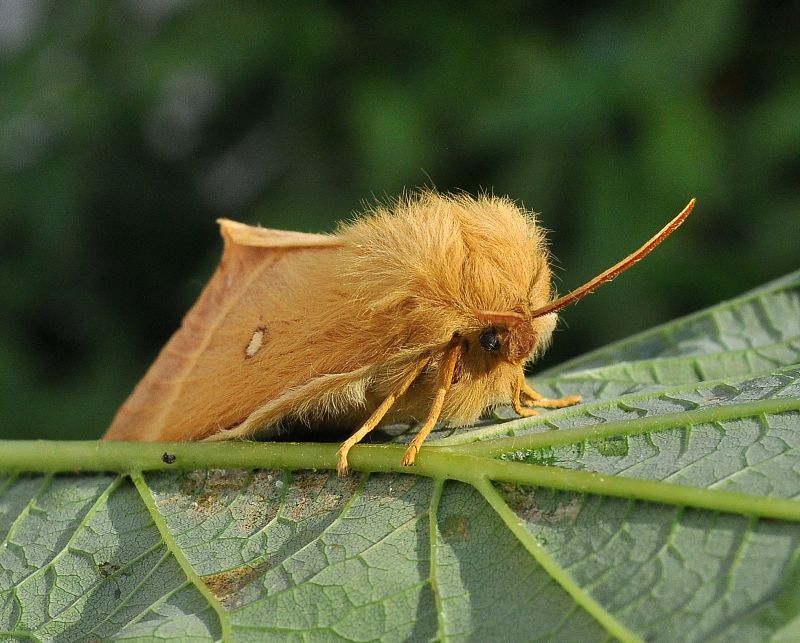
{"x": 456, "y": 528}
{"x": 723, "y": 392}
{"x": 515, "y": 495}
{"x": 117, "y": 593}
{"x": 212, "y": 489}
{"x": 615, "y": 446}
{"x": 541, "y": 506}
{"x": 168, "y": 458}
{"x": 205, "y": 499}
{"x": 106, "y": 569}
{"x": 226, "y": 584}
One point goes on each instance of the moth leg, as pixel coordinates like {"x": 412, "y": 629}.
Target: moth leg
{"x": 516, "y": 399}
{"x": 536, "y": 399}
{"x": 377, "y": 416}
{"x": 446, "y": 372}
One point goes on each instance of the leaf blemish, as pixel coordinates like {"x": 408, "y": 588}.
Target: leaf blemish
{"x": 106, "y": 569}
{"x": 225, "y": 584}
{"x": 540, "y": 510}
{"x": 456, "y": 527}
{"x": 210, "y": 490}
{"x": 615, "y": 446}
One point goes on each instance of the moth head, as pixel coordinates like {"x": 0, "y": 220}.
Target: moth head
{"x": 509, "y": 336}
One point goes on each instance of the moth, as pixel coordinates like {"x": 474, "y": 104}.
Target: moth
{"x": 423, "y": 309}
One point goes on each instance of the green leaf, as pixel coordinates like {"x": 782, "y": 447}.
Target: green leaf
{"x": 665, "y": 507}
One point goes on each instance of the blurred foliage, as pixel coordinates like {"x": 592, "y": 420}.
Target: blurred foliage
{"x": 127, "y": 127}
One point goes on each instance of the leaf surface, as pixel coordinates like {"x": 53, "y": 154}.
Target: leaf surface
{"x": 665, "y": 507}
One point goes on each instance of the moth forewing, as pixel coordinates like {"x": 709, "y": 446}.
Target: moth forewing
{"x": 224, "y": 360}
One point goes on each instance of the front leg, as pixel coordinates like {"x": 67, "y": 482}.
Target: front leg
{"x": 377, "y": 416}
{"x": 446, "y": 371}
{"x": 521, "y": 389}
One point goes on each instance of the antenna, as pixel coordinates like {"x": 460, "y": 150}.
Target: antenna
{"x": 622, "y": 266}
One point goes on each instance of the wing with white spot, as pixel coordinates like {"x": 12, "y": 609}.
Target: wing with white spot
{"x": 241, "y": 344}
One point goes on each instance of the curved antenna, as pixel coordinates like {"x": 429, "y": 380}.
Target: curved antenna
{"x": 613, "y": 271}
{"x": 509, "y": 319}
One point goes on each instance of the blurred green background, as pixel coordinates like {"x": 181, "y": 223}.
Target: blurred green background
{"x": 127, "y": 127}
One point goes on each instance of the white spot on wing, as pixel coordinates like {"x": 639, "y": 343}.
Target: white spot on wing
{"x": 255, "y": 343}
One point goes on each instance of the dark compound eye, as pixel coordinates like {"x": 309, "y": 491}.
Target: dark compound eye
{"x": 489, "y": 340}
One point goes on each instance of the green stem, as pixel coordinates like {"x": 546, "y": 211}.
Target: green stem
{"x": 432, "y": 462}
{"x": 50, "y": 456}
{"x": 639, "y": 489}
{"x": 433, "y": 531}
{"x": 497, "y": 447}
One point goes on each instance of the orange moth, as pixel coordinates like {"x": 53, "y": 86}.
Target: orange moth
{"x": 423, "y": 310}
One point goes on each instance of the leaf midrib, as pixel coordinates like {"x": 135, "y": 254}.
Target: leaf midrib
{"x": 647, "y": 424}
{"x": 437, "y": 463}
{"x": 490, "y": 433}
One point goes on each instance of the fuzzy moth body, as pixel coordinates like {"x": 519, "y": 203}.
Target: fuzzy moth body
{"x": 423, "y": 310}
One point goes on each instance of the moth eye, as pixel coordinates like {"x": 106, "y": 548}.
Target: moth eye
{"x": 489, "y": 340}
